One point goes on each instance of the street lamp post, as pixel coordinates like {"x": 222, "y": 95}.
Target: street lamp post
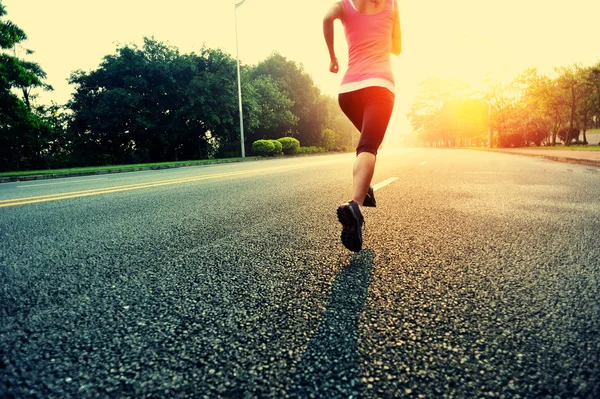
{"x": 238, "y": 4}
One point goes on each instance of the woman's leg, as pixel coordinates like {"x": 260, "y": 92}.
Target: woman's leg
{"x": 369, "y": 110}
{"x": 362, "y": 173}
{"x": 379, "y": 104}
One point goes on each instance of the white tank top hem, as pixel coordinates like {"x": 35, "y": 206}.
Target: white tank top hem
{"x": 378, "y": 82}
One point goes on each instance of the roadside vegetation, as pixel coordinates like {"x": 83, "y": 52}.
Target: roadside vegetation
{"x": 571, "y": 148}
{"x": 109, "y": 168}
{"x": 154, "y": 104}
{"x": 532, "y": 110}
{"x": 546, "y": 148}
{"x": 285, "y": 146}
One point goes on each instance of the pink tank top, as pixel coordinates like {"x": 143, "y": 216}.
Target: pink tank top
{"x": 369, "y": 40}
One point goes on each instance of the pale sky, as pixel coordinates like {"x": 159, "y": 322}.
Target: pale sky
{"x": 466, "y": 39}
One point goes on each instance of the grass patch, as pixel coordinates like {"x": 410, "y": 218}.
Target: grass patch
{"x": 569, "y": 148}
{"x": 543, "y": 148}
{"x": 107, "y": 168}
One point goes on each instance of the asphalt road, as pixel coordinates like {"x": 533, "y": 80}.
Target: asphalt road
{"x": 480, "y": 277}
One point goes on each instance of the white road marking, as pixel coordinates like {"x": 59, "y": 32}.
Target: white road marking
{"x": 422, "y": 163}
{"x": 384, "y": 183}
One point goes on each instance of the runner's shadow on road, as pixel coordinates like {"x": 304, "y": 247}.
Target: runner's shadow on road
{"x": 330, "y": 365}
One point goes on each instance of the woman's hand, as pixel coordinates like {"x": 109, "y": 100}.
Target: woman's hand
{"x": 333, "y": 65}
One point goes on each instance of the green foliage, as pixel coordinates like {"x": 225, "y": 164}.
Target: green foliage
{"x": 10, "y": 34}
{"x": 289, "y": 145}
{"x": 347, "y": 134}
{"x": 308, "y": 105}
{"x": 263, "y": 147}
{"x": 153, "y": 104}
{"x": 267, "y": 108}
{"x": 532, "y": 109}
{"x": 23, "y": 131}
{"x": 329, "y": 139}
{"x": 277, "y": 147}
{"x": 311, "y": 150}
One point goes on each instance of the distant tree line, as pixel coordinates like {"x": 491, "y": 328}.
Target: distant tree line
{"x": 532, "y": 109}
{"x": 154, "y": 104}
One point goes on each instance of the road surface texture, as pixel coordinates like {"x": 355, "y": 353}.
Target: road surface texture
{"x": 480, "y": 277}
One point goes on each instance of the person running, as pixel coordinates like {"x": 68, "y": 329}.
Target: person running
{"x": 366, "y": 94}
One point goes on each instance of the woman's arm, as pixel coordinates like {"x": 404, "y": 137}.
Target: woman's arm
{"x": 335, "y": 12}
{"x": 396, "y": 33}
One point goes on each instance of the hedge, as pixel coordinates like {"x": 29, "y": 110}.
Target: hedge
{"x": 289, "y": 145}
{"x": 266, "y": 148}
{"x": 277, "y": 147}
{"x": 263, "y": 147}
{"x": 311, "y": 150}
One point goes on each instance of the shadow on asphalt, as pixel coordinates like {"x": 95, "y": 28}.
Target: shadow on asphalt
{"x": 330, "y": 365}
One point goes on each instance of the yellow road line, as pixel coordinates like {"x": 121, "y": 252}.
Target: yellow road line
{"x": 90, "y": 191}
{"x": 137, "y": 186}
{"x": 108, "y": 190}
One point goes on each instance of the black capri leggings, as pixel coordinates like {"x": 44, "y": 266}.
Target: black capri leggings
{"x": 370, "y": 110}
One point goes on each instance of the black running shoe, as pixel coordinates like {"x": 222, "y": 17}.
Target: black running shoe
{"x": 370, "y": 198}
{"x": 352, "y": 220}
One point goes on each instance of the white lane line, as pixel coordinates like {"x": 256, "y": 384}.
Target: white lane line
{"x": 422, "y": 163}
{"x": 384, "y": 183}
{"x": 60, "y": 182}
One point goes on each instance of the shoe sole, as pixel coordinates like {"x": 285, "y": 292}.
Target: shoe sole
{"x": 351, "y": 231}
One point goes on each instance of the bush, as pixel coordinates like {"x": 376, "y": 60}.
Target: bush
{"x": 277, "y": 147}
{"x": 266, "y": 147}
{"x": 329, "y": 138}
{"x": 289, "y": 145}
{"x": 511, "y": 140}
{"x": 311, "y": 150}
{"x": 573, "y": 134}
{"x": 342, "y": 149}
{"x": 263, "y": 147}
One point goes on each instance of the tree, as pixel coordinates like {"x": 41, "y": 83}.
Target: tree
{"x": 595, "y": 80}
{"x": 153, "y": 104}
{"x": 22, "y": 130}
{"x": 466, "y": 120}
{"x": 571, "y": 81}
{"x": 269, "y": 109}
{"x": 431, "y": 114}
{"x": 309, "y": 106}
{"x": 329, "y": 139}
{"x": 116, "y": 109}
{"x": 212, "y": 105}
{"x": 506, "y": 103}
{"x": 589, "y": 107}
{"x": 539, "y": 108}
{"x": 347, "y": 134}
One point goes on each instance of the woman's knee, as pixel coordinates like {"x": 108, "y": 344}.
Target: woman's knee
{"x": 367, "y": 146}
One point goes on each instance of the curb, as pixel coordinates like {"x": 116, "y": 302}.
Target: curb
{"x": 578, "y": 161}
